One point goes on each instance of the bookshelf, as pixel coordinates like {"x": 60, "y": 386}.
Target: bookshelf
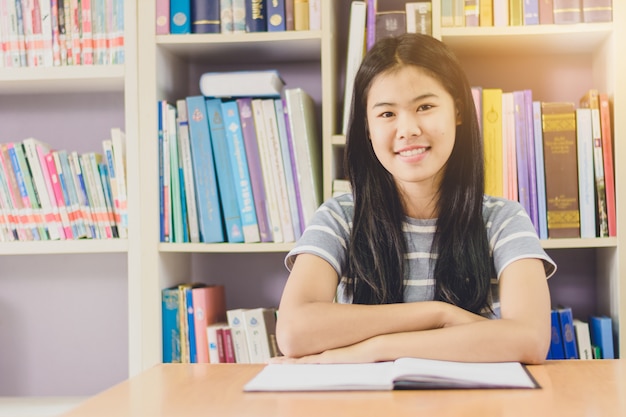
{"x": 65, "y": 304}
{"x": 116, "y": 285}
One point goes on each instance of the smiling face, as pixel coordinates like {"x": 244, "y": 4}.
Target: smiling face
{"x": 412, "y": 123}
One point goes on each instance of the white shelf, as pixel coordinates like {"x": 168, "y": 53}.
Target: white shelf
{"x": 50, "y": 247}
{"x": 71, "y": 79}
{"x": 226, "y": 247}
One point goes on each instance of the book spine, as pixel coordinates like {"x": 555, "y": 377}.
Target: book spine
{"x": 256, "y": 15}
{"x": 229, "y": 351}
{"x": 227, "y": 22}
{"x": 224, "y": 170}
{"x": 239, "y": 16}
{"x": 276, "y": 21}
{"x": 64, "y": 182}
{"x": 567, "y": 11}
{"x": 559, "y": 141}
{"x": 301, "y": 14}
{"x": 354, "y": 55}
{"x": 607, "y": 159}
{"x": 256, "y": 335}
{"x": 492, "y": 139}
{"x": 529, "y": 140}
{"x": 118, "y": 140}
{"x": 566, "y": 321}
{"x": 185, "y": 155}
{"x": 557, "y": 351}
{"x": 240, "y": 172}
{"x": 170, "y": 325}
{"x": 315, "y": 14}
{"x": 237, "y": 323}
{"x": 583, "y": 339}
{"x": 597, "y": 11}
{"x": 58, "y": 195}
{"x": 254, "y": 168}
{"x": 180, "y": 16}
{"x": 540, "y": 172}
{"x": 546, "y": 12}
{"x": 23, "y": 179}
{"x": 209, "y": 211}
{"x": 84, "y": 212}
{"x": 191, "y": 327}
{"x": 205, "y": 16}
{"x": 289, "y": 15}
{"x": 162, "y": 17}
{"x": 516, "y": 12}
{"x": 531, "y": 12}
{"x": 105, "y": 180}
{"x": 602, "y": 335}
{"x": 175, "y": 191}
{"x": 586, "y": 194}
{"x": 86, "y": 35}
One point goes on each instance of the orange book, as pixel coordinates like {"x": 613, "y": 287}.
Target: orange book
{"x": 209, "y": 307}
{"x": 607, "y": 152}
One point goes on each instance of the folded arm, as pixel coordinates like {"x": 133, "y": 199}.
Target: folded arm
{"x": 315, "y": 329}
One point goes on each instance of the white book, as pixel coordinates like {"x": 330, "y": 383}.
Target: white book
{"x": 81, "y": 206}
{"x": 500, "y": 13}
{"x": 278, "y": 169}
{"x": 215, "y": 342}
{"x": 586, "y": 180}
{"x": 237, "y": 323}
{"x": 315, "y": 14}
{"x": 187, "y": 164}
{"x": 356, "y": 48}
{"x": 419, "y": 17}
{"x": 260, "y": 330}
{"x": 262, "y": 83}
{"x": 45, "y": 14}
{"x": 403, "y": 373}
{"x": 583, "y": 339}
{"x": 271, "y": 193}
{"x": 307, "y": 150}
{"x": 118, "y": 140}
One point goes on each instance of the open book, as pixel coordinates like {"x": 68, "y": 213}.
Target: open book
{"x": 404, "y": 373}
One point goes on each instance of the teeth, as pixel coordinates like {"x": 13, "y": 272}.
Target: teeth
{"x": 413, "y": 152}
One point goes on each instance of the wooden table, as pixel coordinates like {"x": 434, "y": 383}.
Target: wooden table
{"x": 595, "y": 388}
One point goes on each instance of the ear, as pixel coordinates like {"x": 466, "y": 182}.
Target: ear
{"x": 458, "y": 108}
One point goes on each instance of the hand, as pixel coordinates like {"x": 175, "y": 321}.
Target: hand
{"x": 357, "y": 353}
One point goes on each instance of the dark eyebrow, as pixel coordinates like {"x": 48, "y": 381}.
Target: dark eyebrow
{"x": 415, "y": 99}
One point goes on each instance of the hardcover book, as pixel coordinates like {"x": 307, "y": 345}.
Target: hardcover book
{"x": 237, "y": 324}
{"x": 583, "y": 339}
{"x": 390, "y": 23}
{"x": 492, "y": 139}
{"x": 559, "y": 145}
{"x": 180, "y": 16}
{"x": 607, "y": 159}
{"x": 597, "y": 11}
{"x": 546, "y": 12}
{"x": 188, "y": 177}
{"x": 403, "y": 373}
{"x": 261, "y": 83}
{"x": 419, "y": 17}
{"x": 356, "y": 45}
{"x": 209, "y": 307}
{"x": 261, "y": 334}
{"x": 205, "y": 16}
{"x": 170, "y": 325}
{"x": 586, "y": 181}
{"x": 540, "y": 172}
{"x": 557, "y": 351}
{"x": 567, "y": 11}
{"x": 256, "y": 15}
{"x": 602, "y": 335}
{"x": 276, "y": 21}
{"x": 566, "y": 321}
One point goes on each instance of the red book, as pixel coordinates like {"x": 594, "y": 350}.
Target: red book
{"x": 607, "y": 149}
{"x": 209, "y": 307}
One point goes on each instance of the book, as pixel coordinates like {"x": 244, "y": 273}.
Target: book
{"x": 209, "y": 307}
{"x": 597, "y": 11}
{"x": 559, "y": 145}
{"x": 237, "y": 324}
{"x": 315, "y": 14}
{"x": 180, "y": 16}
{"x": 390, "y": 23}
{"x": 239, "y": 16}
{"x": 354, "y": 56}
{"x": 27, "y": 192}
{"x": 540, "y": 172}
{"x": 591, "y": 100}
{"x": 174, "y": 196}
{"x": 260, "y": 325}
{"x": 261, "y": 83}
{"x": 419, "y": 17}
{"x": 501, "y": 13}
{"x": 254, "y": 168}
{"x": 601, "y": 328}
{"x": 276, "y": 21}
{"x": 485, "y": 15}
{"x": 586, "y": 181}
{"x": 170, "y": 325}
{"x": 472, "y": 12}
{"x": 583, "y": 339}
{"x": 509, "y": 163}
{"x": 557, "y": 351}
{"x": 207, "y": 200}
{"x": 205, "y": 16}
{"x": 240, "y": 172}
{"x": 307, "y": 150}
{"x": 403, "y": 373}
{"x": 531, "y": 12}
{"x": 186, "y": 162}
{"x": 227, "y": 23}
{"x": 223, "y": 170}
{"x": 567, "y": 11}
{"x": 525, "y": 154}
{"x": 118, "y": 140}
{"x": 492, "y": 140}
{"x": 546, "y": 12}
{"x": 607, "y": 159}
{"x": 568, "y": 334}
{"x": 162, "y": 17}
{"x": 289, "y": 15}
{"x": 256, "y": 15}
{"x": 215, "y": 342}
{"x": 301, "y": 14}
{"x": 516, "y": 12}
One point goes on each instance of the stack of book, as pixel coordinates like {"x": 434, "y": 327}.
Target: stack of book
{"x": 468, "y": 13}
{"x": 239, "y": 170}
{"x": 236, "y": 16}
{"x": 555, "y": 158}
{"x": 197, "y": 328}
{"x": 577, "y": 339}
{"x": 48, "y": 194}
{"x": 61, "y": 32}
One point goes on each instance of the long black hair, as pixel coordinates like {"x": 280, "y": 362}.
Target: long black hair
{"x": 376, "y": 258}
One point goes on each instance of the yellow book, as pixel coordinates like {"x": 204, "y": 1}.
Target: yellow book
{"x": 485, "y": 8}
{"x": 301, "y": 14}
{"x": 492, "y": 139}
{"x": 516, "y": 12}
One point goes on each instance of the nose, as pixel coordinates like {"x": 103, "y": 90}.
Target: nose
{"x": 408, "y": 125}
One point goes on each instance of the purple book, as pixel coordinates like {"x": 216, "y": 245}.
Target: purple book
{"x": 370, "y": 38}
{"x": 523, "y": 180}
{"x": 254, "y": 166}
{"x": 530, "y": 151}
{"x": 294, "y": 169}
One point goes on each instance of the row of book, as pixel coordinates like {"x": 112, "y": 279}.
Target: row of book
{"x": 555, "y": 158}
{"x": 197, "y": 327}
{"x": 572, "y": 338}
{"x": 48, "y": 194}
{"x": 242, "y": 170}
{"x": 472, "y": 13}
{"x": 48, "y": 33}
{"x": 236, "y": 16}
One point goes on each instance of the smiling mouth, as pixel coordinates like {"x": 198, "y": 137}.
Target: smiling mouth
{"x": 412, "y": 152}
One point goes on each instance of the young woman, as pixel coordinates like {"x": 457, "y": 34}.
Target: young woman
{"x": 417, "y": 261}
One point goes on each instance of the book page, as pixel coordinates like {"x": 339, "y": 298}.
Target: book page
{"x": 323, "y": 377}
{"x": 412, "y": 373}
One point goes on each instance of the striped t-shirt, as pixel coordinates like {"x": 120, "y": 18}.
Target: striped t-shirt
{"x": 509, "y": 230}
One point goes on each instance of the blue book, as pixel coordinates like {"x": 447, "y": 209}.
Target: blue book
{"x": 276, "y": 19}
{"x": 540, "y": 171}
{"x": 556, "y": 343}
{"x": 205, "y": 181}
{"x": 205, "y": 16}
{"x": 21, "y": 182}
{"x": 240, "y": 172}
{"x": 568, "y": 334}
{"x": 191, "y": 326}
{"x": 224, "y": 171}
{"x": 180, "y": 16}
{"x": 256, "y": 15}
{"x": 170, "y": 325}
{"x": 601, "y": 328}
{"x": 531, "y": 12}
